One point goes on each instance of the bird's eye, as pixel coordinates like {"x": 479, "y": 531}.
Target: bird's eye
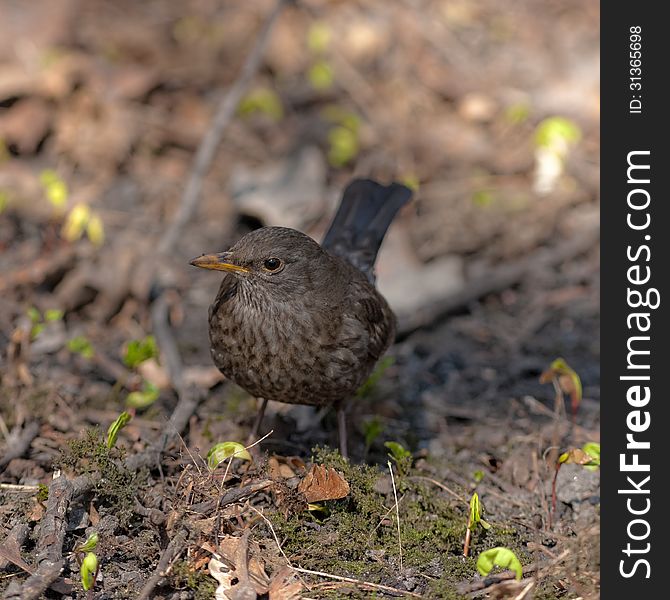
{"x": 272, "y": 264}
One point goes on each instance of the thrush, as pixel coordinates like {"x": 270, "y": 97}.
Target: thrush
{"x": 303, "y": 323}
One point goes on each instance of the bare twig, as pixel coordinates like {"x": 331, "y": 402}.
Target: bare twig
{"x": 19, "y": 441}
{"x": 208, "y": 146}
{"x": 174, "y": 549}
{"x": 231, "y": 496}
{"x": 359, "y": 582}
{"x": 442, "y": 487}
{"x": 397, "y": 511}
{"x": 49, "y": 549}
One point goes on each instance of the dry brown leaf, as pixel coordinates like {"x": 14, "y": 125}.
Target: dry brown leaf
{"x": 249, "y": 571}
{"x": 323, "y": 483}
{"x": 285, "y": 586}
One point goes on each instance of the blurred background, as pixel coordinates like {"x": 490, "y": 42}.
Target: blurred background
{"x": 488, "y": 110}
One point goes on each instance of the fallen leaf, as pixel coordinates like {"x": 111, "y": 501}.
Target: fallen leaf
{"x": 323, "y": 483}
{"x": 285, "y": 586}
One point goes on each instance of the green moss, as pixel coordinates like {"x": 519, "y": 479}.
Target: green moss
{"x": 359, "y": 537}
{"x": 116, "y": 487}
{"x": 199, "y": 582}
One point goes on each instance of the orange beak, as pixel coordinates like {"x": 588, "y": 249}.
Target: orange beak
{"x": 218, "y": 262}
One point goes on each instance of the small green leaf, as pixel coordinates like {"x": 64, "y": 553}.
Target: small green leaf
{"x": 53, "y": 314}
{"x": 113, "y": 432}
{"x": 568, "y": 380}
{"x": 89, "y": 569}
{"x": 478, "y": 476}
{"x": 95, "y": 230}
{"x": 556, "y": 133}
{"x": 321, "y": 75}
{"x": 36, "y": 330}
{"x": 143, "y": 398}
{"x": 223, "y": 450}
{"x": 475, "y": 509}
{"x": 501, "y": 557}
{"x": 344, "y": 146}
{"x": 140, "y": 350}
{"x": 372, "y": 430}
{"x": 483, "y": 198}
{"x": 55, "y": 189}
{"x": 264, "y": 101}
{"x": 398, "y": 451}
{"x": 89, "y": 545}
{"x": 318, "y": 37}
{"x": 80, "y": 345}
{"x": 34, "y": 315}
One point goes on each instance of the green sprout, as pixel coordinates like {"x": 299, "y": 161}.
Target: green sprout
{"x": 38, "y": 320}
{"x": 80, "y": 345}
{"x": 113, "y": 432}
{"x": 143, "y": 398}
{"x": 565, "y": 380}
{"x": 343, "y": 136}
{"x": 264, "y": 101}
{"x": 89, "y": 545}
{"x": 400, "y": 455}
{"x": 80, "y": 219}
{"x": 372, "y": 429}
{"x": 55, "y": 189}
{"x": 474, "y": 519}
{"x": 53, "y": 314}
{"x": 89, "y": 571}
{"x": 321, "y": 75}
{"x": 318, "y": 37}
{"x": 223, "y": 450}
{"x": 140, "y": 350}
{"x": 501, "y": 557}
{"x": 556, "y": 133}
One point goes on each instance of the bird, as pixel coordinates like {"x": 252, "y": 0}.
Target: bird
{"x": 300, "y": 322}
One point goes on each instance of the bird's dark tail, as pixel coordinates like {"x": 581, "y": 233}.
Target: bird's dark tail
{"x": 361, "y": 221}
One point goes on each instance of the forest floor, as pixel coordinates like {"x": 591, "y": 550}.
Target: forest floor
{"x": 489, "y": 111}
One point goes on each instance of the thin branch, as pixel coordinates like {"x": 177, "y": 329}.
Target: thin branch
{"x": 173, "y": 550}
{"x": 397, "y": 510}
{"x": 207, "y": 149}
{"x": 360, "y": 582}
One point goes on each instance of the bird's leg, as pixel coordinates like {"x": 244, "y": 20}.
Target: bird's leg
{"x": 253, "y": 436}
{"x": 342, "y": 428}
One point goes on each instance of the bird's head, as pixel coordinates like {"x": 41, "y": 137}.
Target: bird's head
{"x": 280, "y": 260}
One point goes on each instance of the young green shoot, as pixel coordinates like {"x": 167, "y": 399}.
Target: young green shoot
{"x": 143, "y": 398}
{"x": 588, "y": 456}
{"x": 223, "y": 450}
{"x": 113, "y": 432}
{"x": 89, "y": 571}
{"x": 140, "y": 350}
{"x": 565, "y": 380}
{"x": 500, "y": 557}
{"x": 474, "y": 519}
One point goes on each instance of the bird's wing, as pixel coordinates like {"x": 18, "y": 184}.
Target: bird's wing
{"x": 374, "y": 313}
